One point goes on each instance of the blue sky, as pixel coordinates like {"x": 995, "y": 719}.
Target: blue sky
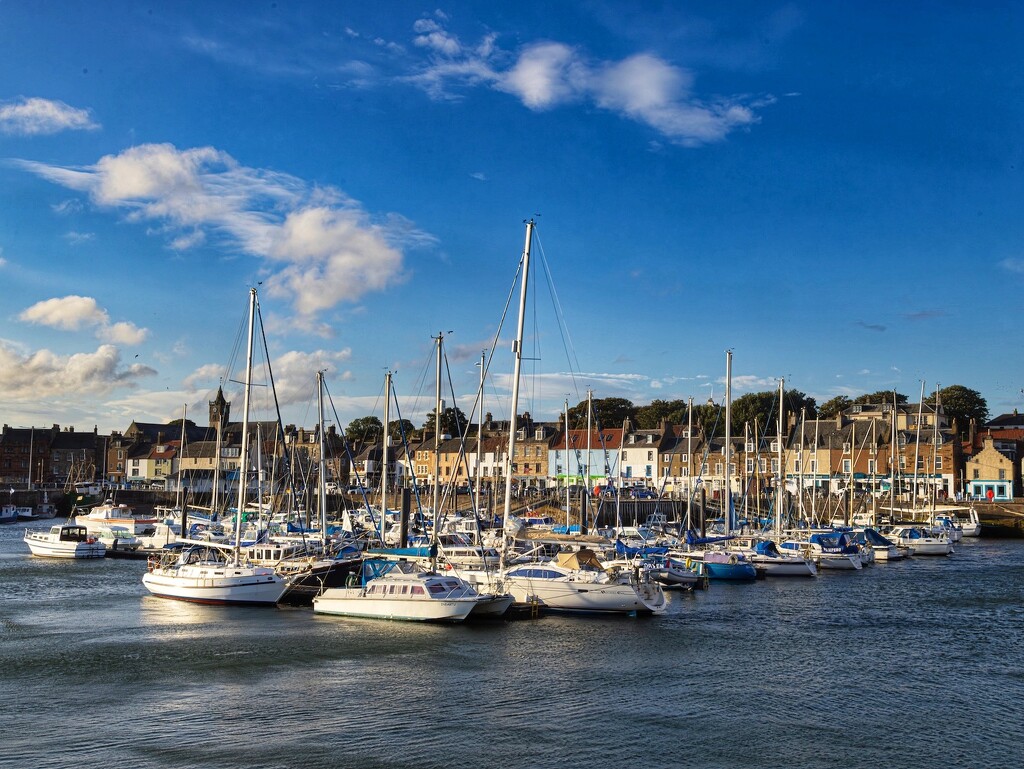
{"x": 832, "y": 191}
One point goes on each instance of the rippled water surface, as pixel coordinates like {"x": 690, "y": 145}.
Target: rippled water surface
{"x": 912, "y": 664}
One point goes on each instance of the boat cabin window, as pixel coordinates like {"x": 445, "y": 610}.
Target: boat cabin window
{"x": 435, "y": 587}
{"x": 417, "y": 589}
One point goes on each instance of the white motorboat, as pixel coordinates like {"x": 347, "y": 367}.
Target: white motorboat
{"x": 402, "y": 592}
{"x": 8, "y": 514}
{"x": 883, "y": 549}
{"x": 108, "y": 514}
{"x": 66, "y": 541}
{"x": 205, "y": 572}
{"x": 970, "y": 525}
{"x": 576, "y": 582}
{"x": 118, "y": 538}
{"x": 920, "y": 541}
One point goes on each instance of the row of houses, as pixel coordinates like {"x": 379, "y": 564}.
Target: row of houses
{"x": 867, "y": 447}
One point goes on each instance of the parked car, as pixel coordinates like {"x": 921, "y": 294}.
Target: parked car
{"x": 644, "y": 494}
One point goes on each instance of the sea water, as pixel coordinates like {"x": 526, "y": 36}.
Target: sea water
{"x": 912, "y": 664}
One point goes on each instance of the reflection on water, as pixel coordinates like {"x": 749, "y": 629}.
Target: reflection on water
{"x": 926, "y": 653}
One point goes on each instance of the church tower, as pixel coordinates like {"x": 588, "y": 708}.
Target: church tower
{"x": 220, "y": 410}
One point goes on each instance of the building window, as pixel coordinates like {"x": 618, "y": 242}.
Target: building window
{"x": 1002, "y": 475}
{"x": 750, "y": 466}
{"x": 650, "y": 456}
{"x": 718, "y": 468}
{"x": 938, "y": 463}
{"x": 796, "y": 466}
{"x": 846, "y": 467}
{"x": 846, "y": 447}
{"x": 814, "y": 465}
{"x": 977, "y": 475}
{"x": 871, "y": 466}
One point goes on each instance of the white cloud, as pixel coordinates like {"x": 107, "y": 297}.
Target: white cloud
{"x": 326, "y": 248}
{"x": 30, "y": 376}
{"x": 546, "y": 75}
{"x": 68, "y": 313}
{"x": 123, "y": 333}
{"x": 35, "y": 116}
{"x": 1013, "y": 265}
{"x": 76, "y": 238}
{"x": 71, "y": 313}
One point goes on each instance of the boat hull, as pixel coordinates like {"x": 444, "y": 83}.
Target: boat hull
{"x": 352, "y": 602}
{"x": 586, "y": 597}
{"x": 217, "y": 586}
{"x": 41, "y": 549}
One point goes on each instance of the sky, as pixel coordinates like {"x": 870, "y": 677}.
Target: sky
{"x": 832, "y": 191}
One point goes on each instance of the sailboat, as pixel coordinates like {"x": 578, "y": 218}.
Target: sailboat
{"x": 212, "y": 573}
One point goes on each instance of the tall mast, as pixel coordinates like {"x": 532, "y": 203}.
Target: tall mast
{"x": 568, "y": 493}
{"x": 689, "y": 461}
{"x": 384, "y": 448}
{"x": 585, "y": 508}
{"x": 803, "y": 459}
{"x": 31, "y": 440}
{"x": 917, "y": 442}
{"x": 322, "y": 491}
{"x": 437, "y": 457}
{"x": 479, "y": 434}
{"x": 935, "y": 439}
{"x": 243, "y": 468}
{"x": 814, "y": 496}
{"x": 517, "y": 352}
{"x": 727, "y": 510}
{"x": 778, "y": 456}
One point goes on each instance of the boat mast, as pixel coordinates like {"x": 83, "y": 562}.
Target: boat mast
{"x": 437, "y": 457}
{"x": 384, "y": 447}
{"x": 322, "y": 491}
{"x": 917, "y": 445}
{"x": 517, "y": 353}
{"x": 935, "y": 439}
{"x": 814, "y": 495}
{"x": 243, "y": 469}
{"x": 689, "y": 462}
{"x": 585, "y": 508}
{"x": 479, "y": 435}
{"x": 803, "y": 459}
{"x": 31, "y": 440}
{"x": 568, "y": 491}
{"x": 727, "y": 500}
{"x": 179, "y": 500}
{"x": 778, "y": 458}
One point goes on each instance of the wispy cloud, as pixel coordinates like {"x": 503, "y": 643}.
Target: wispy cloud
{"x": 320, "y": 246}
{"x": 35, "y": 116}
{"x": 925, "y": 314}
{"x": 75, "y": 238}
{"x": 549, "y": 74}
{"x": 71, "y": 313}
{"x": 1015, "y": 266}
{"x": 870, "y": 326}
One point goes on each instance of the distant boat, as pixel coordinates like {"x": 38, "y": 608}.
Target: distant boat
{"x": 920, "y": 541}
{"x": 110, "y": 514}
{"x": 68, "y": 541}
{"x": 8, "y": 514}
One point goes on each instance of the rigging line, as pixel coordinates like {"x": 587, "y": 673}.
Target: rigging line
{"x": 563, "y": 328}
{"x": 355, "y": 469}
{"x": 463, "y": 458}
{"x": 288, "y": 464}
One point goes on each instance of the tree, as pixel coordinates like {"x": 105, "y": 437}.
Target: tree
{"x": 649, "y": 417}
{"x": 882, "y": 396}
{"x": 364, "y": 430}
{"x": 453, "y": 422}
{"x": 400, "y": 428}
{"x": 830, "y": 408}
{"x": 963, "y": 405}
{"x": 608, "y": 412}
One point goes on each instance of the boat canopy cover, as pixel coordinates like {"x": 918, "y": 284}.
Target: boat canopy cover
{"x": 631, "y": 552}
{"x": 579, "y": 559}
{"x": 691, "y": 538}
{"x": 766, "y": 547}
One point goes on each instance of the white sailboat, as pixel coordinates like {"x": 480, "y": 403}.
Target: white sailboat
{"x": 210, "y": 573}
